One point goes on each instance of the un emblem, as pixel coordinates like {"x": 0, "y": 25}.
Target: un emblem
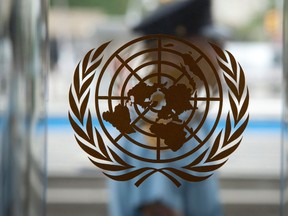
{"x": 158, "y": 103}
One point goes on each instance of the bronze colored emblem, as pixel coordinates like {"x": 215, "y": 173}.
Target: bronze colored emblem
{"x": 158, "y": 108}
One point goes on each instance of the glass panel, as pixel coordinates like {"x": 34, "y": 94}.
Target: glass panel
{"x": 284, "y": 149}
{"x": 248, "y": 184}
{"x": 23, "y": 67}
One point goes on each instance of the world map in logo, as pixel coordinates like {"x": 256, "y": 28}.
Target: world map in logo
{"x": 158, "y": 98}
{"x": 174, "y": 100}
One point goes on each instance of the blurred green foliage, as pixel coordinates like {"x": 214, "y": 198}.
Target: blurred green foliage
{"x": 108, "y": 6}
{"x": 255, "y": 30}
{"x": 252, "y": 31}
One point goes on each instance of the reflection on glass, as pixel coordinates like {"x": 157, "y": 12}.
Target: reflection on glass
{"x": 284, "y": 149}
{"x": 249, "y": 181}
{"x": 23, "y": 67}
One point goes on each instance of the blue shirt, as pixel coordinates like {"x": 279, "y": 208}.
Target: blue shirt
{"x": 191, "y": 198}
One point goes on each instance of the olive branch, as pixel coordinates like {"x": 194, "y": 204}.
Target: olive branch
{"x": 100, "y": 155}
{"x": 109, "y": 162}
{"x": 227, "y": 141}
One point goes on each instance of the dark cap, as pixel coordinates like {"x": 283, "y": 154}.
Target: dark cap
{"x": 182, "y": 18}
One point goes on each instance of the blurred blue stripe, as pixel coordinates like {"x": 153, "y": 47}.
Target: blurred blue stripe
{"x": 254, "y": 124}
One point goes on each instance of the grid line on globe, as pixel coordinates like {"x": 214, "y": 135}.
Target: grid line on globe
{"x": 128, "y": 112}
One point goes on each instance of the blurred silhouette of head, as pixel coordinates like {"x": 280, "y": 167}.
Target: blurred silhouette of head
{"x": 185, "y": 19}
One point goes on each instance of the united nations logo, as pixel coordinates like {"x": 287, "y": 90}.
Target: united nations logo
{"x": 158, "y": 103}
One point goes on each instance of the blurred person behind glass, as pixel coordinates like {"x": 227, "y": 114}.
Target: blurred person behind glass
{"x": 157, "y": 195}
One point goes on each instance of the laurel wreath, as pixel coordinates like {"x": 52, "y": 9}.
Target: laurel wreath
{"x": 113, "y": 166}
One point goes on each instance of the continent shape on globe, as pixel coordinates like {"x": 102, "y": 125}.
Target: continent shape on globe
{"x": 172, "y": 133}
{"x": 177, "y": 100}
{"x": 120, "y": 119}
{"x": 141, "y": 93}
